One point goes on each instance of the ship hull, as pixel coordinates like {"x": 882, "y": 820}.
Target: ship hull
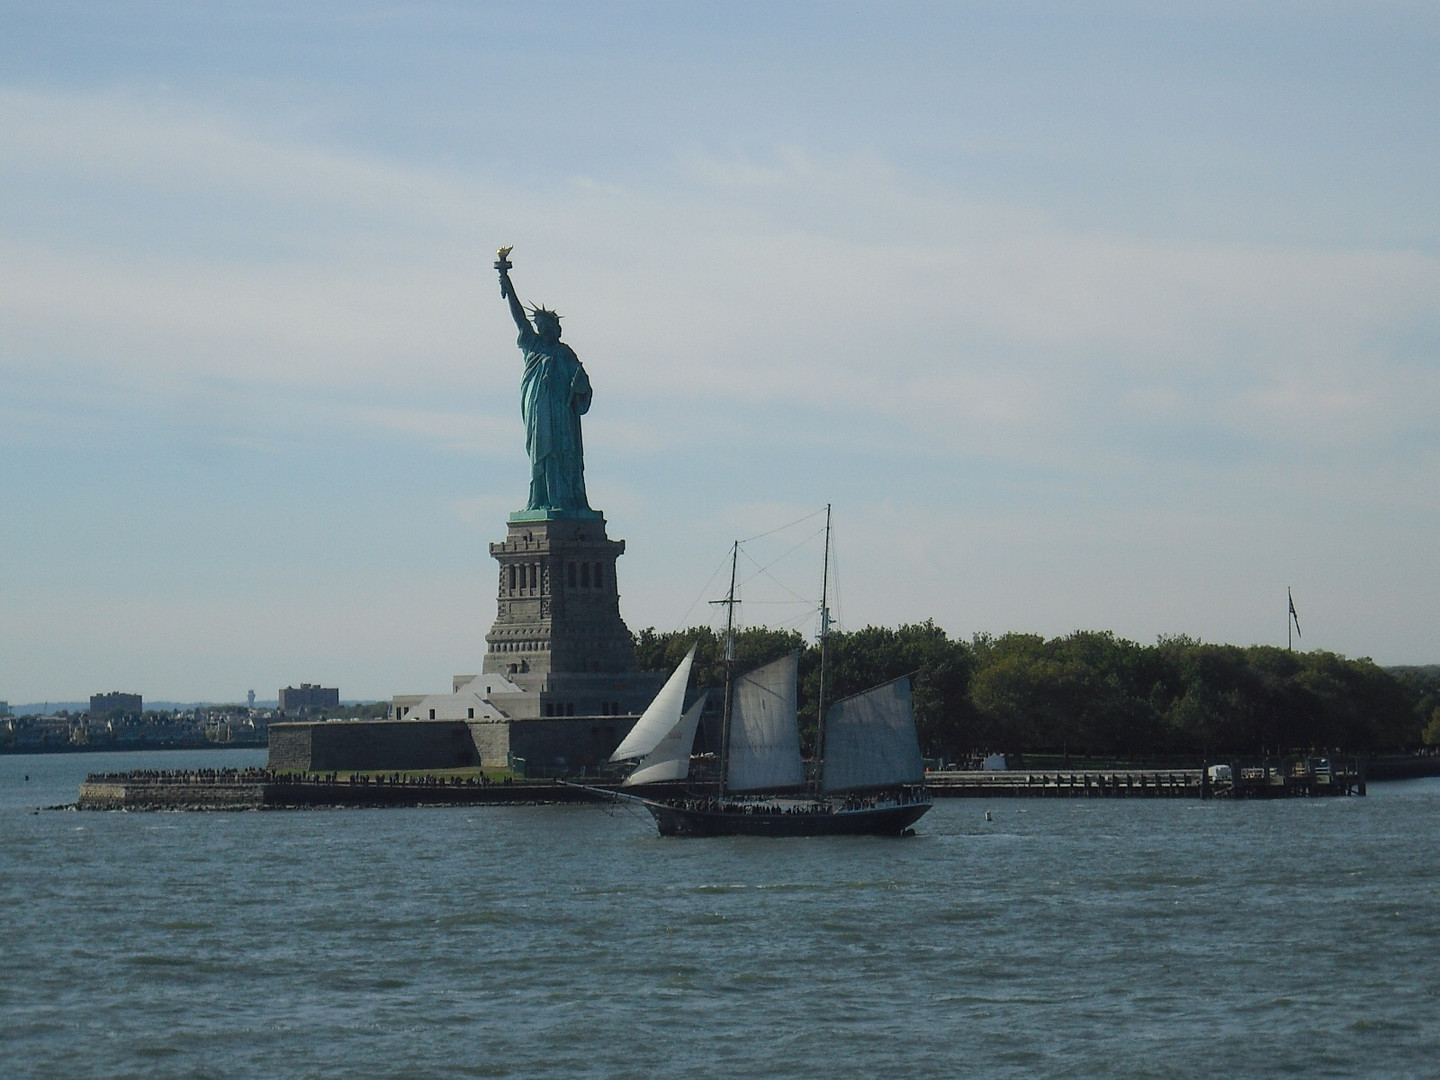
{"x": 735, "y": 820}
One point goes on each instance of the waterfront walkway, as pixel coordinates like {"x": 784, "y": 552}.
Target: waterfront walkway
{"x": 1015, "y": 783}
{"x": 265, "y": 789}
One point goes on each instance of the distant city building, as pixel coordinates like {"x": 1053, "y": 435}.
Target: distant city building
{"x": 115, "y": 701}
{"x": 250, "y": 699}
{"x": 309, "y": 695}
{"x": 4, "y": 708}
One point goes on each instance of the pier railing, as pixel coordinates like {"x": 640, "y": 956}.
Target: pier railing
{"x": 1018, "y": 783}
{"x": 1302, "y": 775}
{"x": 1273, "y": 778}
{"x": 232, "y": 789}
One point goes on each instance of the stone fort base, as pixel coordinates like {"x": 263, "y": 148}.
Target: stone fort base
{"x": 539, "y": 747}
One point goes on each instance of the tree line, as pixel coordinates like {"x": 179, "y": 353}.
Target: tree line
{"x": 1092, "y": 694}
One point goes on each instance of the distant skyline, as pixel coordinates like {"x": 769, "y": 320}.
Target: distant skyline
{"x": 1118, "y": 316}
{"x": 50, "y": 707}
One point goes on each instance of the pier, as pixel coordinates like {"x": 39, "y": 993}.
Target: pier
{"x": 264, "y": 789}
{"x": 267, "y": 789}
{"x": 1268, "y": 778}
{"x": 1068, "y": 784}
{"x": 1281, "y": 778}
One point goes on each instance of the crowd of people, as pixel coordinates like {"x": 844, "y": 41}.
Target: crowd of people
{"x": 716, "y": 805}
{"x": 258, "y": 775}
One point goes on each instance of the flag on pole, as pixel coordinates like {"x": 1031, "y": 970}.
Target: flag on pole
{"x": 1293, "y": 616}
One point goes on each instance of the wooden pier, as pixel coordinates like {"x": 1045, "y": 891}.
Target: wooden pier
{"x": 263, "y": 789}
{"x": 1275, "y": 778}
{"x": 1067, "y": 784}
{"x": 1284, "y": 777}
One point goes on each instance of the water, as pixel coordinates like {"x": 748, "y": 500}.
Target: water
{"x": 1068, "y": 938}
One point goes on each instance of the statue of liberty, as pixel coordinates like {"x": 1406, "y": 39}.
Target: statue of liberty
{"x": 554, "y": 394}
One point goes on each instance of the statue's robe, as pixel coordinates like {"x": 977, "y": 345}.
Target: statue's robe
{"x": 554, "y": 394}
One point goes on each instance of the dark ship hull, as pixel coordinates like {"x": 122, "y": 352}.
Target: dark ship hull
{"x": 741, "y": 819}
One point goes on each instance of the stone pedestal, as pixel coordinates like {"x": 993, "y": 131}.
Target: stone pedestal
{"x": 558, "y": 634}
{"x": 558, "y": 608}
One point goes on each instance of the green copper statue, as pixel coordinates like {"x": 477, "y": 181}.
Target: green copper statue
{"x": 554, "y": 394}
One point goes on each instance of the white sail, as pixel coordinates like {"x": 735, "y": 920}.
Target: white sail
{"x": 764, "y": 750}
{"x": 670, "y": 760}
{"x": 870, "y": 740}
{"x": 660, "y": 717}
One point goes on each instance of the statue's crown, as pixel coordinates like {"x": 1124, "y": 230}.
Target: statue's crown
{"x": 537, "y": 311}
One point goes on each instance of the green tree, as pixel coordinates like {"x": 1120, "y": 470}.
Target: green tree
{"x": 1432, "y": 729}
{"x": 1093, "y": 693}
{"x": 754, "y": 646}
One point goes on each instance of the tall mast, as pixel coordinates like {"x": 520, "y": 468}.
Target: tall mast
{"x": 729, "y": 603}
{"x": 824, "y": 637}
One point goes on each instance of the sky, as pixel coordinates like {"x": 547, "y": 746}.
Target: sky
{"x": 1114, "y": 316}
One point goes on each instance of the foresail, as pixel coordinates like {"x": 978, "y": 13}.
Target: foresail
{"x": 660, "y": 717}
{"x": 764, "y": 750}
{"x": 670, "y": 760}
{"x": 870, "y": 740}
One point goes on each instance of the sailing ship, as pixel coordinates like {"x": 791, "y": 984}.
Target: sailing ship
{"x": 869, "y": 778}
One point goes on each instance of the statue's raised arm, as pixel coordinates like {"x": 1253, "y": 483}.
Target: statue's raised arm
{"x": 507, "y": 289}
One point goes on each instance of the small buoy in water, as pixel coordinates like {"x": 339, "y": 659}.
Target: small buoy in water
{"x": 987, "y": 816}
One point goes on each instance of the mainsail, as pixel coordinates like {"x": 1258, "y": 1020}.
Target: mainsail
{"x": 660, "y": 718}
{"x": 870, "y": 740}
{"x": 670, "y": 760}
{"x": 764, "y": 745}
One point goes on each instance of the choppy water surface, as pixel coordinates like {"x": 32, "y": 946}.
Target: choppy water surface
{"x": 1063, "y": 938}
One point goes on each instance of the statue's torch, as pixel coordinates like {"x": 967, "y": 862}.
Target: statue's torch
{"x": 503, "y": 264}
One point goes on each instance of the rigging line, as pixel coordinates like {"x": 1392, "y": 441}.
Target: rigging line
{"x": 782, "y": 528}
{"x": 719, "y": 568}
{"x": 774, "y": 562}
{"x": 765, "y": 569}
{"x": 741, "y": 582}
{"x": 797, "y": 598}
{"x": 626, "y": 807}
{"x": 802, "y": 542}
{"x": 795, "y": 622}
{"x": 806, "y": 611}
{"x": 760, "y": 570}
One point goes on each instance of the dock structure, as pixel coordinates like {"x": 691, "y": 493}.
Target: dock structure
{"x": 1284, "y": 777}
{"x": 267, "y": 789}
{"x": 1068, "y": 784}
{"x": 264, "y": 789}
{"x": 1277, "y": 778}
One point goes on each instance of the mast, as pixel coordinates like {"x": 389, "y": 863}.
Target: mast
{"x": 824, "y": 635}
{"x": 729, "y": 603}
